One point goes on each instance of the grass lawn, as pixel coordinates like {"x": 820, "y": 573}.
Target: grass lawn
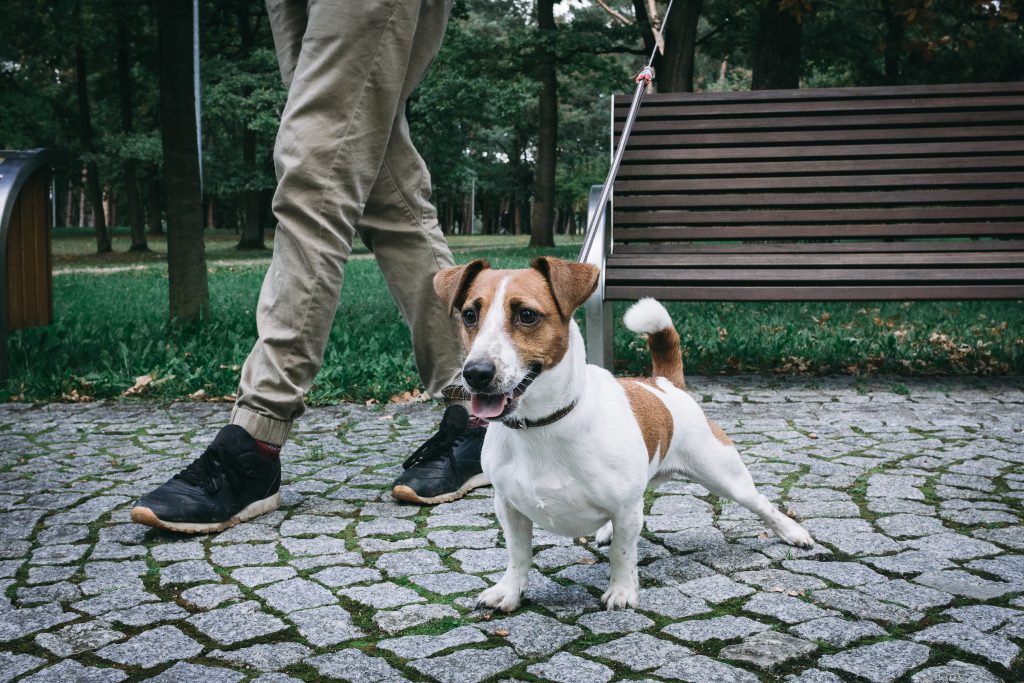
{"x": 110, "y": 328}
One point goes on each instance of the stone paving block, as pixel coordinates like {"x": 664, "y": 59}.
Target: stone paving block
{"x": 59, "y": 554}
{"x": 464, "y": 539}
{"x": 768, "y": 649}
{"x": 12, "y": 665}
{"x": 392, "y": 622}
{"x": 779, "y": 579}
{"x": 296, "y": 594}
{"x": 593, "y": 575}
{"x": 616, "y": 621}
{"x": 148, "y": 649}
{"x": 532, "y": 634}
{"x": 732, "y": 558}
{"x": 814, "y": 676}
{"x": 449, "y": 583}
{"x": 1011, "y": 537}
{"x": 955, "y": 672}
{"x": 701, "y": 538}
{"x": 261, "y": 576}
{"x": 190, "y": 571}
{"x": 715, "y": 628}
{"x": 837, "y": 632}
{"x": 844, "y": 574}
{"x": 54, "y": 592}
{"x": 700, "y": 669}
{"x": 318, "y": 545}
{"x": 237, "y": 623}
{"x": 410, "y": 563}
{"x": 907, "y": 594}
{"x": 864, "y": 606}
{"x": 953, "y": 546}
{"x": 331, "y": 560}
{"x": 562, "y": 601}
{"x": 417, "y": 647}
{"x": 966, "y": 584}
{"x": 984, "y": 617}
{"x": 480, "y": 561}
{"x": 313, "y": 525}
{"x": 639, "y": 651}
{"x": 69, "y": 670}
{"x": 177, "y": 552}
{"x": 339, "y": 577}
{"x": 715, "y": 589}
{"x": 467, "y": 666}
{"x": 382, "y": 595}
{"x": 265, "y": 657}
{"x": 561, "y": 556}
{"x": 673, "y": 571}
{"x": 144, "y": 615}
{"x": 785, "y": 608}
{"x": 18, "y": 623}
{"x": 567, "y": 668}
{"x": 210, "y": 595}
{"x": 184, "y": 671}
{"x": 969, "y": 639}
{"x": 909, "y": 562}
{"x": 670, "y": 602}
{"x": 1009, "y": 568}
{"x": 879, "y": 663}
{"x": 355, "y": 666}
{"x": 244, "y": 554}
{"x": 910, "y": 526}
{"x": 325, "y": 626}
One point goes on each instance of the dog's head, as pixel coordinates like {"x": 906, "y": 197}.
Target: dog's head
{"x": 514, "y": 324}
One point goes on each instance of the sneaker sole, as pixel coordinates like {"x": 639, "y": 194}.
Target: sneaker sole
{"x": 143, "y": 515}
{"x": 407, "y": 495}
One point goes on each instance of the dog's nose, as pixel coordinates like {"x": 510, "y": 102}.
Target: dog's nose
{"x": 478, "y": 374}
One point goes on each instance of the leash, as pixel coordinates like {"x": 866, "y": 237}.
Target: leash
{"x": 642, "y": 80}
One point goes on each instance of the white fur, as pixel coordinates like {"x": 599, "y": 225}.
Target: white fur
{"x": 587, "y": 472}
{"x": 647, "y": 316}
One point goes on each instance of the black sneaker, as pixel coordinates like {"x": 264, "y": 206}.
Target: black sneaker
{"x": 446, "y": 466}
{"x": 229, "y": 483}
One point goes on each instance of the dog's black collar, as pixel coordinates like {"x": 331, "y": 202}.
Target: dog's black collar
{"x": 553, "y": 417}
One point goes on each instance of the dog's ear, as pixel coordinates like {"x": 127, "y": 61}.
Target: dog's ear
{"x": 571, "y": 283}
{"x": 452, "y": 283}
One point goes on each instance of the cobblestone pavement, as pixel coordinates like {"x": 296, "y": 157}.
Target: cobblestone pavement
{"x": 913, "y": 491}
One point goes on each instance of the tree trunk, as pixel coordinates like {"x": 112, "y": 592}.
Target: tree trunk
{"x": 895, "y": 32}
{"x": 186, "y": 260}
{"x": 154, "y": 214}
{"x": 676, "y": 67}
{"x": 543, "y": 213}
{"x": 136, "y": 223}
{"x": 776, "y": 53}
{"x": 252, "y": 228}
{"x": 85, "y": 129}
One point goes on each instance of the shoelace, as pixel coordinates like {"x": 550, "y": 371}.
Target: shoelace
{"x": 438, "y": 445}
{"x": 208, "y": 470}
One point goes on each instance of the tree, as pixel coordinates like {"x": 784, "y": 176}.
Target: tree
{"x": 674, "y": 60}
{"x": 186, "y": 260}
{"x": 124, "y": 91}
{"x": 776, "y": 50}
{"x": 543, "y": 214}
{"x": 86, "y": 134}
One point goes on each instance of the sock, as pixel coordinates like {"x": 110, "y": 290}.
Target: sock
{"x": 267, "y": 451}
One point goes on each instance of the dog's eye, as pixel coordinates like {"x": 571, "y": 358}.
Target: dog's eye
{"x": 469, "y": 317}
{"x": 528, "y": 317}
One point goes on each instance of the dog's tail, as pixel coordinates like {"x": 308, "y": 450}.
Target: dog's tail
{"x": 648, "y": 317}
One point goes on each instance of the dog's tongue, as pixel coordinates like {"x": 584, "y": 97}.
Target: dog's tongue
{"x": 488, "y": 406}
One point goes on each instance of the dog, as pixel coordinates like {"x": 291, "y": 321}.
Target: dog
{"x": 569, "y": 447}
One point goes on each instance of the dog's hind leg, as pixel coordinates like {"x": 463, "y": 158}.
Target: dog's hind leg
{"x": 720, "y": 470}
{"x": 624, "y": 583}
{"x": 518, "y": 530}
{"x": 604, "y": 534}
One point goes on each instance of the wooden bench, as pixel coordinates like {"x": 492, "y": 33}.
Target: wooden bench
{"x": 26, "y": 274}
{"x": 847, "y": 194}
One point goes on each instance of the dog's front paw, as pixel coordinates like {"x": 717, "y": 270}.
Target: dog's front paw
{"x": 502, "y": 596}
{"x": 620, "y": 596}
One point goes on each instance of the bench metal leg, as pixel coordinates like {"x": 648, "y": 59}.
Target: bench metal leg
{"x": 600, "y": 346}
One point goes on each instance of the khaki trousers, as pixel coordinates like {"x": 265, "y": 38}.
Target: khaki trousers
{"x": 345, "y": 164}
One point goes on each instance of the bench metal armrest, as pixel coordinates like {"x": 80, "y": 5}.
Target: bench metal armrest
{"x": 598, "y": 310}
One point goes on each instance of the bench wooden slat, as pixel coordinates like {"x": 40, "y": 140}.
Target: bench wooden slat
{"x": 805, "y": 232}
{"x": 825, "y": 151}
{"x": 684, "y": 168}
{"x": 794, "y": 199}
{"x": 633, "y": 248}
{"x": 815, "y": 182}
{"x": 769, "y": 276}
{"x": 733, "y": 138}
{"x": 895, "y": 215}
{"x": 836, "y": 260}
{"x": 816, "y": 292}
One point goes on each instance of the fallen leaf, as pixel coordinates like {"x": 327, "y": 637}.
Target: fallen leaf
{"x": 794, "y": 594}
{"x": 775, "y": 589}
{"x": 198, "y": 395}
{"x": 141, "y": 382}
{"x": 501, "y": 632}
{"x": 763, "y": 535}
{"x": 812, "y": 435}
{"x": 486, "y": 616}
{"x": 587, "y": 560}
{"x": 791, "y": 513}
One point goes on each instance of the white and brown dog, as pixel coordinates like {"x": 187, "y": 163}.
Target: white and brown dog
{"x": 571, "y": 448}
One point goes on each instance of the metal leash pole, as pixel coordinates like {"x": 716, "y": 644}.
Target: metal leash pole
{"x": 643, "y": 79}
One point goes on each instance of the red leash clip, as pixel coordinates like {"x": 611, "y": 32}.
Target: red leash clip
{"x": 645, "y": 76}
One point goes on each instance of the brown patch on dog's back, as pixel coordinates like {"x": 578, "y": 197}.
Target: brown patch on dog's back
{"x": 651, "y": 414}
{"x": 719, "y": 434}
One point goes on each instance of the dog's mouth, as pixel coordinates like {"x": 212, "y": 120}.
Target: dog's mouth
{"x": 496, "y": 406}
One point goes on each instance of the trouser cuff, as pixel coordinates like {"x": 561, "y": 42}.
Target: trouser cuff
{"x": 261, "y": 427}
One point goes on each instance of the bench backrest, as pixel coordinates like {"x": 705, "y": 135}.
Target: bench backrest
{"x": 887, "y": 162}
